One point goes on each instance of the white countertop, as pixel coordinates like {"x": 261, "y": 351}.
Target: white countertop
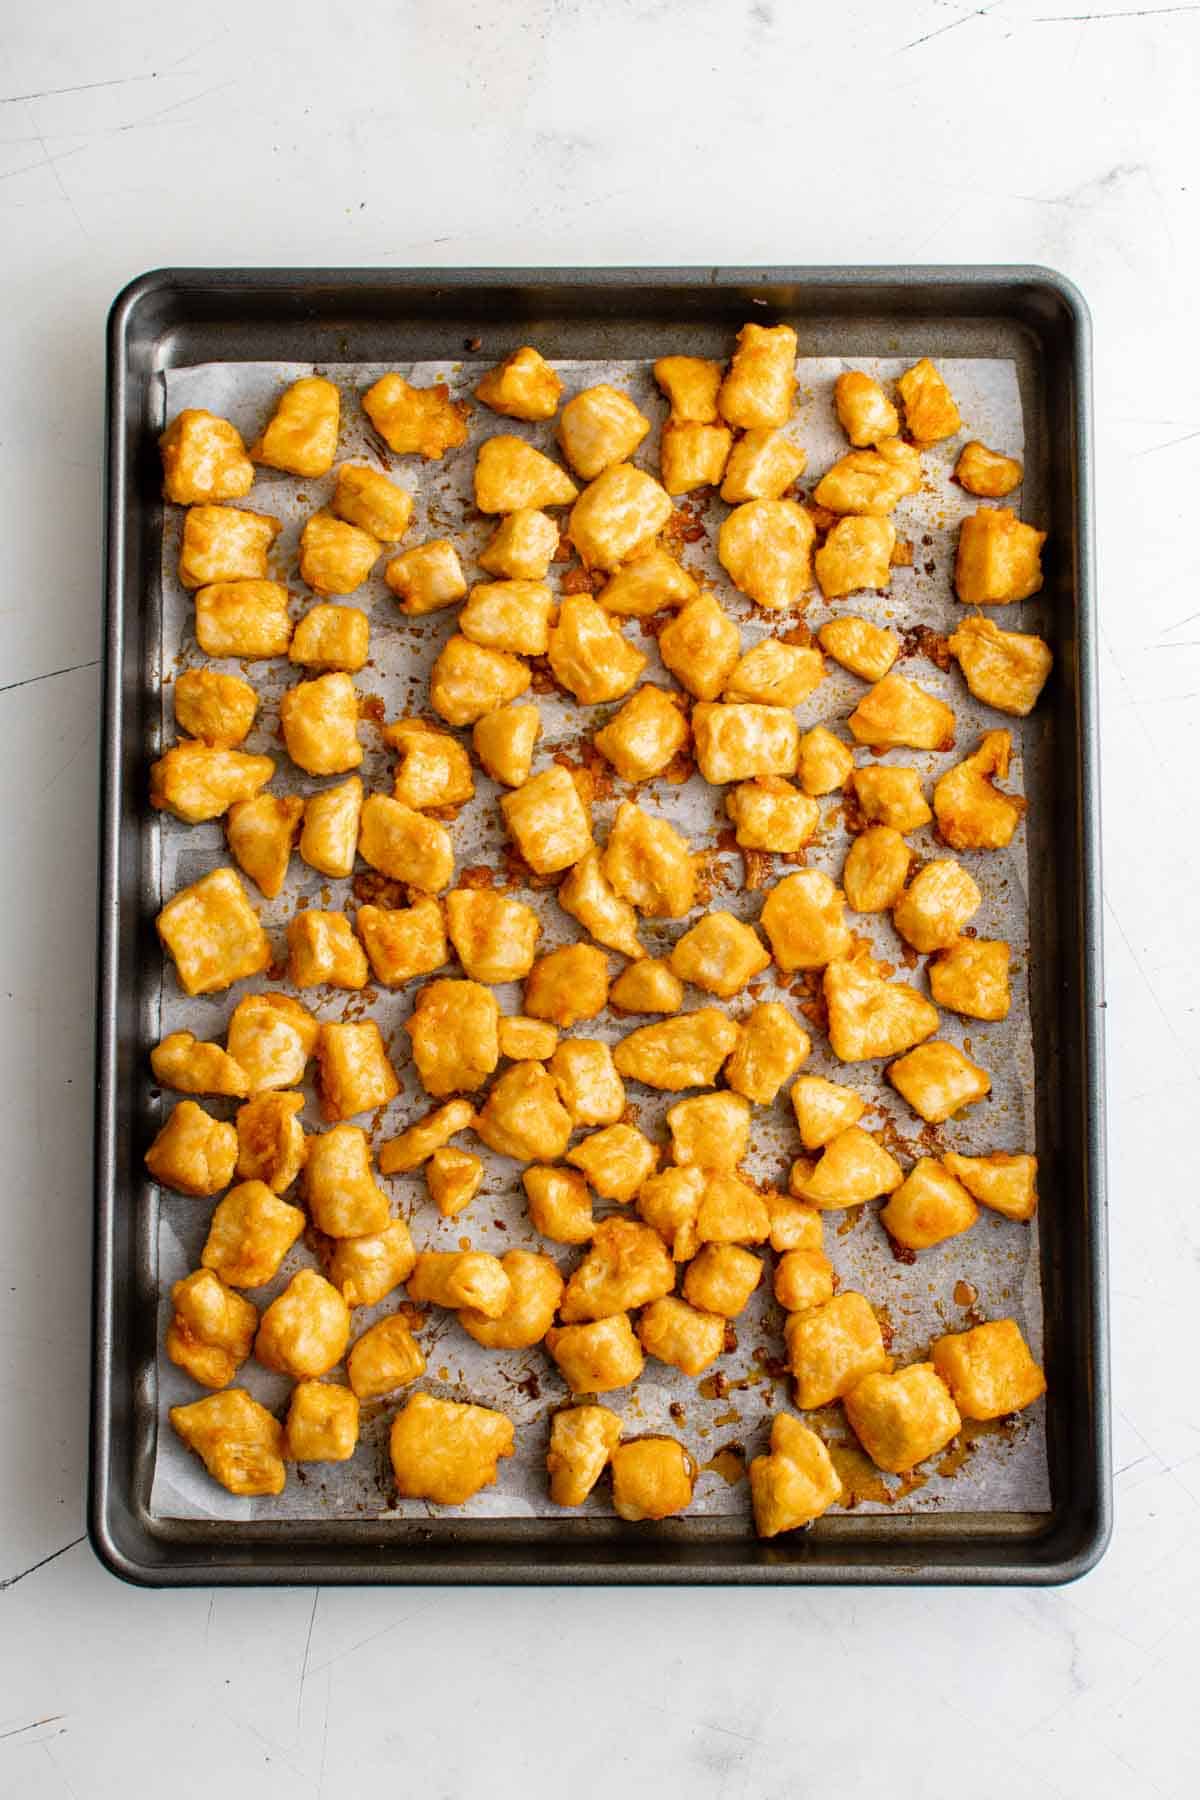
{"x": 628, "y": 131}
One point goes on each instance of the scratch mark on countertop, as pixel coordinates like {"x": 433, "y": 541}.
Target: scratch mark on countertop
{"x": 1152, "y": 12}
{"x": 12, "y": 1580}
{"x": 1170, "y": 444}
{"x": 312, "y": 1619}
{"x": 50, "y": 674}
{"x": 19, "y": 1730}
{"x": 83, "y": 87}
{"x": 371, "y": 1638}
{"x": 978, "y": 12}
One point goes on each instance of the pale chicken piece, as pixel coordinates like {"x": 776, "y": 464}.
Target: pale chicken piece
{"x": 404, "y": 942}
{"x": 897, "y": 713}
{"x": 681, "y": 1335}
{"x": 416, "y": 421}
{"x": 999, "y": 558}
{"x": 460, "y": 1278}
{"x": 468, "y": 681}
{"x": 272, "y": 1037}
{"x": 760, "y": 386}
{"x": 272, "y": 1147}
{"x": 319, "y": 719}
{"x": 364, "y": 497}
{"x": 648, "y": 986}
{"x": 851, "y": 1169}
{"x": 195, "y": 783}
{"x": 193, "y": 1152}
{"x": 453, "y": 1178}
{"x": 433, "y": 768}
{"x": 645, "y": 735}
{"x": 523, "y": 1116}
{"x": 343, "y": 1198}
{"x": 249, "y": 1234}
{"x": 587, "y": 1081}
{"x": 803, "y": 916}
{"x": 865, "y": 649}
{"x": 239, "y": 1442}
{"x": 803, "y": 1278}
{"x": 692, "y": 455}
{"x": 737, "y": 740}
{"x": 427, "y": 577}
{"x": 710, "y": 1131}
{"x": 972, "y": 813}
{"x": 504, "y": 741}
{"x": 212, "y": 1331}
{"x": 387, "y": 1356}
{"x": 669, "y": 1202}
{"x": 768, "y": 1053}
{"x": 678, "y": 1053}
{"x": 511, "y": 476}
{"x": 824, "y": 1109}
{"x": 367, "y": 1269}
{"x": 932, "y": 910}
{"x": 1004, "y": 669}
{"x": 902, "y": 1419}
{"x": 795, "y": 1225}
{"x": 526, "y": 1040}
{"x": 203, "y": 458}
{"x": 795, "y": 1483}
{"x": 691, "y": 385}
{"x": 856, "y": 554}
{"x": 731, "y": 1211}
{"x": 870, "y": 1017}
{"x": 928, "y": 1207}
{"x": 444, "y": 1451}
{"x": 354, "y": 1073}
{"x": 597, "y": 1357}
{"x": 769, "y": 814}
{"x": 587, "y": 895}
{"x": 560, "y": 1204}
{"x": 824, "y": 762}
{"x": 247, "y": 619}
{"x": 336, "y": 558}
{"x": 414, "y": 1146}
{"x": 582, "y": 1438}
{"x": 181, "y": 1061}
{"x": 989, "y": 1370}
{"x": 870, "y": 482}
{"x": 523, "y": 386}
{"x": 305, "y": 1331}
{"x": 453, "y": 1028}
{"x": 322, "y": 1423}
{"x": 766, "y": 548}
{"x": 720, "y": 954}
{"x": 332, "y": 637}
{"x": 864, "y": 411}
{"x": 938, "y": 1080}
{"x": 509, "y": 615}
{"x": 762, "y": 465}
{"x": 721, "y": 1279}
{"x": 832, "y": 1347}
{"x": 301, "y": 435}
{"x": 971, "y": 977}
{"x": 261, "y": 833}
{"x": 329, "y": 835}
{"x": 522, "y": 547}
{"x": 618, "y": 516}
{"x": 929, "y": 410}
{"x": 775, "y": 673}
{"x": 888, "y": 794}
{"x": 589, "y": 655}
{"x": 653, "y": 1478}
{"x": 598, "y": 427}
{"x": 875, "y": 870}
{"x": 987, "y": 473}
{"x": 651, "y": 582}
{"x": 495, "y": 937}
{"x": 225, "y": 544}
{"x": 567, "y": 985}
{"x": 649, "y": 864}
{"x": 616, "y": 1161}
{"x": 217, "y": 710}
{"x": 548, "y": 821}
{"x": 701, "y": 646}
{"x": 536, "y": 1289}
{"x": 627, "y": 1266}
{"x": 213, "y": 934}
{"x": 1005, "y": 1183}
{"x": 324, "y": 952}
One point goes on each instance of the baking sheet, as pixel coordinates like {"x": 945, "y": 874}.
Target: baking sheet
{"x": 724, "y": 1419}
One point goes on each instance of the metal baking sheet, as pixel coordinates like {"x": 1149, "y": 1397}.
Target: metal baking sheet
{"x": 1004, "y": 1484}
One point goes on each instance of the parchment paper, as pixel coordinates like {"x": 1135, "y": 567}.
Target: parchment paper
{"x": 724, "y": 1419}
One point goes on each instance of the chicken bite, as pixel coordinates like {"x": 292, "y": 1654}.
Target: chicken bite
{"x": 851, "y": 1169}
{"x": 824, "y": 1109}
{"x": 870, "y": 482}
{"x": 683, "y": 1052}
{"x": 213, "y": 934}
{"x": 567, "y": 985}
{"x": 305, "y": 1331}
{"x": 536, "y": 1289}
{"x": 495, "y": 937}
{"x": 194, "y": 783}
{"x": 597, "y": 1357}
{"x": 865, "y": 649}
{"x": 387, "y": 1356}
{"x": 523, "y": 1116}
{"x": 649, "y": 864}
{"x": 427, "y": 577}
{"x": 468, "y": 681}
{"x": 523, "y": 386}
{"x": 971, "y": 811}
{"x": 587, "y": 1081}
{"x": 669, "y": 1202}
{"x": 582, "y": 1438}
{"x": 364, "y": 497}
{"x": 856, "y": 554}
{"x": 247, "y": 619}
{"x": 766, "y": 547}
{"x": 433, "y": 769}
{"x": 645, "y": 735}
{"x": 999, "y": 559}
{"x": 681, "y": 1335}
{"x": 616, "y": 1161}
{"x": 404, "y": 942}
{"x": 203, "y": 459}
{"x": 710, "y": 1131}
{"x": 598, "y": 427}
{"x": 760, "y": 386}
{"x": 794, "y": 1224}
{"x": 336, "y": 558}
{"x": 560, "y": 1204}
{"x": 721, "y": 1279}
{"x": 212, "y": 1331}
{"x": 649, "y": 583}
{"x": 415, "y": 421}
{"x": 648, "y": 986}
{"x": 762, "y": 465}
{"x": 504, "y": 741}
{"x": 737, "y": 740}
{"x": 454, "y": 1036}
{"x": 617, "y": 516}
{"x": 217, "y": 710}
{"x": 1006, "y": 1183}
{"x": 824, "y": 762}
{"x": 354, "y": 1073}
{"x": 1004, "y": 669}
{"x": 460, "y": 1278}
{"x": 404, "y": 844}
{"x": 182, "y": 1062}
{"x": 731, "y": 1211}
{"x": 864, "y": 411}
{"x": 260, "y": 834}
{"x": 929, "y": 410}
{"x": 343, "y": 1198}
{"x": 319, "y": 720}
{"x": 720, "y": 954}
{"x": 897, "y": 713}
{"x": 522, "y": 547}
{"x": 928, "y": 1207}
{"x": 938, "y": 1080}
{"x": 511, "y": 476}
{"x": 870, "y": 1017}
{"x": 652, "y": 1477}
{"x": 331, "y": 637}
{"x": 239, "y": 1442}
{"x": 903, "y": 1418}
{"x": 986, "y": 472}
{"x": 803, "y": 919}
{"x": 876, "y": 869}
{"x": 691, "y": 384}
{"x": 693, "y": 456}
{"x": 249, "y": 1234}
{"x": 444, "y": 1451}
{"x": 367, "y": 1269}
{"x": 225, "y": 544}
{"x": 795, "y": 1483}
{"x": 509, "y": 615}
{"x": 890, "y": 795}
{"x": 989, "y": 1370}
{"x": 324, "y": 952}
{"x": 832, "y": 1347}
{"x": 971, "y": 978}
{"x": 769, "y": 814}
{"x": 453, "y": 1178}
{"x": 589, "y": 655}
{"x": 548, "y": 821}
{"x": 932, "y": 910}
{"x": 776, "y": 673}
{"x": 627, "y": 1266}
{"x": 322, "y": 1423}
{"x": 701, "y": 646}
{"x": 772, "y": 1046}
{"x": 587, "y": 895}
{"x": 301, "y": 435}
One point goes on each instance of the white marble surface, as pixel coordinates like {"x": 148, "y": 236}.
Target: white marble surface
{"x": 597, "y": 131}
